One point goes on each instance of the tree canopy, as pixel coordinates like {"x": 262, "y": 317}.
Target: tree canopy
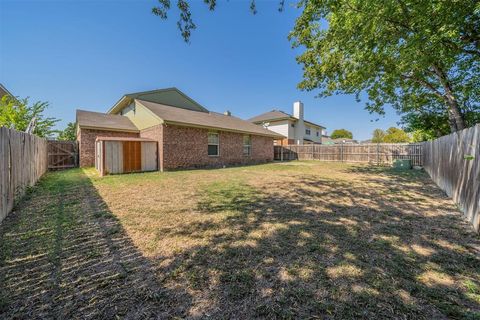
{"x": 422, "y": 57}
{"x": 422, "y": 135}
{"x": 341, "y": 133}
{"x": 185, "y": 21}
{"x": 396, "y": 135}
{"x": 392, "y": 135}
{"x": 378, "y": 136}
{"x": 16, "y": 113}
{"x": 69, "y": 133}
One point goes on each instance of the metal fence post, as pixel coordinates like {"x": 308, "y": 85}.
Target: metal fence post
{"x": 342, "y": 151}
{"x": 378, "y": 154}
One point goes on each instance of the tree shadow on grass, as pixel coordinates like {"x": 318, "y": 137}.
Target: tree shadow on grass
{"x": 312, "y": 248}
{"x": 64, "y": 255}
{"x": 321, "y": 249}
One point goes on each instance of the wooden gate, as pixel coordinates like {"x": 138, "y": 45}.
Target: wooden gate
{"x": 62, "y": 154}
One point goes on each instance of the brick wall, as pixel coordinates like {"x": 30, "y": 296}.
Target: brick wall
{"x": 185, "y": 147}
{"x": 264, "y": 148}
{"x": 155, "y": 133}
{"x": 86, "y": 142}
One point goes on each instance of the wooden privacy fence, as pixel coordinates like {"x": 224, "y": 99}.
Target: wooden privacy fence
{"x": 23, "y": 160}
{"x": 62, "y": 154}
{"x": 380, "y": 153}
{"x": 453, "y": 162}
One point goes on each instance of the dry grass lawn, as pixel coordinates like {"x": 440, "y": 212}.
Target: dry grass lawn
{"x": 306, "y": 240}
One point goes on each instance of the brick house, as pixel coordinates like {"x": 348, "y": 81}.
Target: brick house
{"x": 188, "y": 135}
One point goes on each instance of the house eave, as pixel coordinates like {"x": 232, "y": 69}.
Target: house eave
{"x": 274, "y": 120}
{"x": 107, "y": 129}
{"x": 185, "y": 124}
{"x": 288, "y": 118}
{"x": 314, "y": 124}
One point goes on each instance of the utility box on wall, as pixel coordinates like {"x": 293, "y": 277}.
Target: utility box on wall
{"x": 124, "y": 155}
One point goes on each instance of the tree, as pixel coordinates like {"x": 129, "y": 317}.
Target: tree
{"x": 16, "y": 113}
{"x": 433, "y": 122}
{"x": 421, "y": 135}
{"x": 378, "y": 136}
{"x": 418, "y": 56}
{"x": 185, "y": 22}
{"x": 69, "y": 133}
{"x": 396, "y": 135}
{"x": 414, "y": 55}
{"x": 341, "y": 133}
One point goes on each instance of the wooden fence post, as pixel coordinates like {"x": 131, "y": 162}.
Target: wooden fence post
{"x": 23, "y": 160}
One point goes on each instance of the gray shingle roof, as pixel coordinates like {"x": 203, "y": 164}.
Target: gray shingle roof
{"x": 206, "y": 119}
{"x": 271, "y": 115}
{"x": 168, "y": 96}
{"x": 104, "y": 121}
{"x": 277, "y": 115}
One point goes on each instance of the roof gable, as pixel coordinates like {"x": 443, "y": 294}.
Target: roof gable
{"x": 4, "y": 91}
{"x": 169, "y": 96}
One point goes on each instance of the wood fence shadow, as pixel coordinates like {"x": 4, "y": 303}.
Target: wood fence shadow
{"x": 64, "y": 255}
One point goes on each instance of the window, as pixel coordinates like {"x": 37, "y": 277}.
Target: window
{"x": 307, "y": 131}
{"x": 293, "y": 125}
{"x": 318, "y": 134}
{"x": 213, "y": 144}
{"x": 247, "y": 145}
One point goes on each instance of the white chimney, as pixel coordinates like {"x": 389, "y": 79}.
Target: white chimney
{"x": 298, "y": 110}
{"x": 299, "y": 125}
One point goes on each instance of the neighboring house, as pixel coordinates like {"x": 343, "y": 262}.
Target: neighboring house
{"x": 188, "y": 134}
{"x": 345, "y": 141}
{"x": 294, "y": 127}
{"x": 4, "y": 91}
{"x": 327, "y": 140}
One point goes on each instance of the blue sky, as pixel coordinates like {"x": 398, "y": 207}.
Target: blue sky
{"x": 87, "y": 54}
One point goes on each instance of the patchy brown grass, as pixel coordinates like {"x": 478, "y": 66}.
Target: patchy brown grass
{"x": 291, "y": 240}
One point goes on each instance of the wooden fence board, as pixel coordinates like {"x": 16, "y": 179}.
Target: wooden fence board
{"x": 382, "y": 153}
{"x": 453, "y": 162}
{"x": 3, "y": 173}
{"x": 23, "y": 160}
